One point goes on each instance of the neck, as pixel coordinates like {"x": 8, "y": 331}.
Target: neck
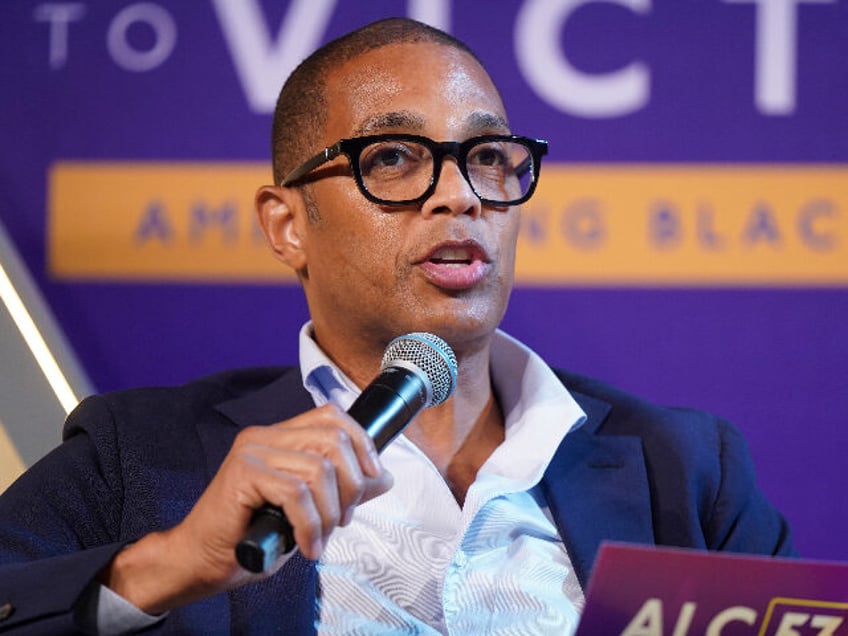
{"x": 457, "y": 436}
{"x": 460, "y": 435}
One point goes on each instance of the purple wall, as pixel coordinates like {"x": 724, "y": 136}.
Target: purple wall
{"x": 772, "y": 359}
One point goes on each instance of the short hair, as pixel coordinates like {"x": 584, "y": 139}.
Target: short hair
{"x": 301, "y": 110}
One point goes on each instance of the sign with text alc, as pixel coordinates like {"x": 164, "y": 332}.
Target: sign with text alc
{"x": 647, "y": 591}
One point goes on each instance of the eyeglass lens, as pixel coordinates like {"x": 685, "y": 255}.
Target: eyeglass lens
{"x": 401, "y": 170}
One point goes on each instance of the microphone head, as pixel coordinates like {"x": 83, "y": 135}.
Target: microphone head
{"x": 430, "y": 355}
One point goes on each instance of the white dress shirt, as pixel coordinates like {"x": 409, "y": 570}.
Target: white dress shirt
{"x": 413, "y": 561}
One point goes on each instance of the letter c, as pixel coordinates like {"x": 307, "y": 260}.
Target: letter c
{"x": 739, "y": 613}
{"x": 807, "y": 224}
{"x": 555, "y": 80}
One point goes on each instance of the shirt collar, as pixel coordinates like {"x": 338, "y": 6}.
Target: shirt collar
{"x": 538, "y": 413}
{"x": 323, "y": 379}
{"x": 537, "y": 386}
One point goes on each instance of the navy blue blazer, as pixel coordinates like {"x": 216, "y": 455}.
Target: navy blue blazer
{"x": 135, "y": 461}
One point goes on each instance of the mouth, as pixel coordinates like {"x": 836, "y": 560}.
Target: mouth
{"x": 456, "y": 255}
{"x": 456, "y": 265}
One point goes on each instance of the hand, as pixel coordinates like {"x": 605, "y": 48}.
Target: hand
{"x": 317, "y": 467}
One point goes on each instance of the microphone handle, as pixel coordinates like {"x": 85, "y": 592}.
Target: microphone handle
{"x": 383, "y": 409}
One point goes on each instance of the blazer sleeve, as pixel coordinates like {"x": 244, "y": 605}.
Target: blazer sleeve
{"x": 741, "y": 519}
{"x": 690, "y": 480}
{"x": 60, "y": 525}
{"x": 131, "y": 463}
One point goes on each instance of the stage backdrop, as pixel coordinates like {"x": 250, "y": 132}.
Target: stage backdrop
{"x": 689, "y": 241}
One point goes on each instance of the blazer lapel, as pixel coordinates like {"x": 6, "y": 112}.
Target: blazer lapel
{"x": 284, "y": 603}
{"x": 283, "y": 398}
{"x": 597, "y": 489}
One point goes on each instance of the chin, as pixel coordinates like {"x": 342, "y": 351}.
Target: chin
{"x": 459, "y": 317}
{"x": 464, "y": 327}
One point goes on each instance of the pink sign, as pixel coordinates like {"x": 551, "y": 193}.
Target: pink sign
{"x": 647, "y": 591}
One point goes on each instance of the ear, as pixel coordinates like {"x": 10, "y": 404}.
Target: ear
{"x": 282, "y": 216}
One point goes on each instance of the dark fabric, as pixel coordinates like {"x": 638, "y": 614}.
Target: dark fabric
{"x": 135, "y": 461}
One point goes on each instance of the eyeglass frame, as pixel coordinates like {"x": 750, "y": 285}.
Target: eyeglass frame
{"x": 352, "y": 148}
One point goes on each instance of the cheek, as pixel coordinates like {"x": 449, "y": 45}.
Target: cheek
{"x": 365, "y": 245}
{"x": 508, "y": 230}
{"x": 508, "y": 234}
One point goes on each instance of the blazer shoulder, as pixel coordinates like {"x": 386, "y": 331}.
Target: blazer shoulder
{"x": 699, "y": 474}
{"x": 166, "y": 402}
{"x": 629, "y": 414}
{"x": 164, "y": 420}
{"x": 224, "y": 385}
{"x": 691, "y": 439}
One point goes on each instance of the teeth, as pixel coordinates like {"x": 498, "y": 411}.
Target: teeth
{"x": 453, "y": 254}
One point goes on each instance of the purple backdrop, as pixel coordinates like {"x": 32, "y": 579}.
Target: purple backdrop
{"x": 773, "y": 360}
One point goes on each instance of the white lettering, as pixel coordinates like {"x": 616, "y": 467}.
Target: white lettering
{"x": 826, "y": 624}
{"x": 263, "y": 64}
{"x": 775, "y": 57}
{"x": 648, "y": 620}
{"x": 164, "y": 29}
{"x": 684, "y": 620}
{"x": 549, "y": 73}
{"x": 738, "y": 613}
{"x": 59, "y": 16}
{"x": 436, "y": 13}
{"x": 789, "y": 622}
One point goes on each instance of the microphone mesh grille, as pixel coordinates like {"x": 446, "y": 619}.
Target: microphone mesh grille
{"x": 429, "y": 353}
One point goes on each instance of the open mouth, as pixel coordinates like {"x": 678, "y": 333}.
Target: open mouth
{"x": 457, "y": 266}
{"x": 457, "y": 256}
{"x": 458, "y": 253}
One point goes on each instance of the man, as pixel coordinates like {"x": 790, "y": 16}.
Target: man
{"x": 501, "y": 495}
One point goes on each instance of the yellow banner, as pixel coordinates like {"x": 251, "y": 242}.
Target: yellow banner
{"x": 687, "y": 225}
{"x": 597, "y": 224}
{"x": 11, "y": 464}
{"x": 158, "y": 221}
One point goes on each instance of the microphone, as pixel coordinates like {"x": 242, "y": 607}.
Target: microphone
{"x": 418, "y": 370}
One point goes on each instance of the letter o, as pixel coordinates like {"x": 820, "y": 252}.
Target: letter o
{"x": 164, "y": 28}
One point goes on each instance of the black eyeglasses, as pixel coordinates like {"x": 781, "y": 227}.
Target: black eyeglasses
{"x": 397, "y": 169}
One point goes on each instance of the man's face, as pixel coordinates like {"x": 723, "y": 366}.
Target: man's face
{"x": 444, "y": 266}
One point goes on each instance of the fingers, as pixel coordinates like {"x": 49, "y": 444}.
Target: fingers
{"x": 338, "y": 429}
{"x": 317, "y": 467}
{"x": 305, "y": 512}
{"x": 304, "y": 484}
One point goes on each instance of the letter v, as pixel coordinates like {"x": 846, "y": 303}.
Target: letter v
{"x": 262, "y": 64}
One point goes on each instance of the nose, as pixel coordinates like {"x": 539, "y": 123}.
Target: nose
{"x": 453, "y": 193}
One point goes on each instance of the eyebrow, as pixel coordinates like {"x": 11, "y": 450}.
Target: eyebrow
{"x": 478, "y": 121}
{"x": 485, "y": 120}
{"x": 395, "y": 119}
